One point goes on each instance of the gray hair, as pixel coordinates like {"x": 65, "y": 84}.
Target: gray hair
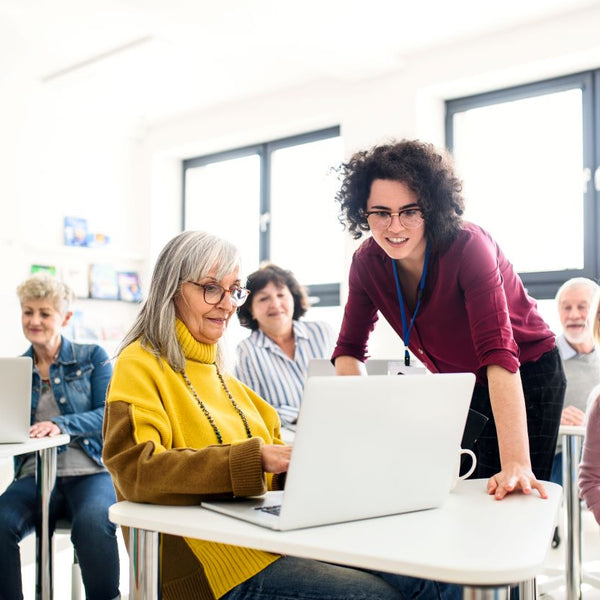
{"x": 43, "y": 286}
{"x": 189, "y": 256}
{"x": 592, "y": 287}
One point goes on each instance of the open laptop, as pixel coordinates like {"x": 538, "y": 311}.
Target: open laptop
{"x": 366, "y": 447}
{"x": 15, "y": 399}
{"x": 321, "y": 367}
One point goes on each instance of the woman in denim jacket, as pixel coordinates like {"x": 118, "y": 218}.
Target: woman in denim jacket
{"x": 68, "y": 393}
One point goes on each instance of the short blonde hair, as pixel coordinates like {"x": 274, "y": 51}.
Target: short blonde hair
{"x": 43, "y": 286}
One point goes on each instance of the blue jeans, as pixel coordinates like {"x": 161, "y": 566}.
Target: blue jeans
{"x": 84, "y": 501}
{"x": 304, "y": 579}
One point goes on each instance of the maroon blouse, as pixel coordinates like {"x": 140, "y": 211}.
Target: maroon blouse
{"x": 475, "y": 311}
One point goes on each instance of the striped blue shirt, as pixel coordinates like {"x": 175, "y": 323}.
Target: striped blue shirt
{"x": 264, "y": 367}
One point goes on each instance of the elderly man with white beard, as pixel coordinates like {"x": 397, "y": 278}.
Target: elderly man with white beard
{"x": 576, "y": 301}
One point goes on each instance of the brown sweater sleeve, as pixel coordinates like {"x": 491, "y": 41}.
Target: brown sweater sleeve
{"x": 178, "y": 476}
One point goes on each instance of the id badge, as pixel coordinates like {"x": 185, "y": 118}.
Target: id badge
{"x": 397, "y": 367}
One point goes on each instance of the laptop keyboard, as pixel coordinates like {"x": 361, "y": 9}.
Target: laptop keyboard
{"x": 272, "y": 510}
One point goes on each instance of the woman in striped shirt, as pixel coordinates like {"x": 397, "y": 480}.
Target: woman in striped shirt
{"x": 273, "y": 360}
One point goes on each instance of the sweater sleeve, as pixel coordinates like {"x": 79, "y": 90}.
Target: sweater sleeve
{"x": 481, "y": 278}
{"x": 360, "y": 316}
{"x": 143, "y": 471}
{"x": 145, "y": 464}
{"x": 589, "y": 469}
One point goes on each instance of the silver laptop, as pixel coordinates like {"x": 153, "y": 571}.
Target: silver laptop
{"x": 321, "y": 367}
{"x": 366, "y": 447}
{"x": 15, "y": 399}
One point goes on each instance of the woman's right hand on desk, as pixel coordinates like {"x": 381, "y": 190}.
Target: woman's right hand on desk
{"x": 44, "y": 429}
{"x": 276, "y": 459}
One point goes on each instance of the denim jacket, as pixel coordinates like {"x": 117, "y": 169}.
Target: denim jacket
{"x": 78, "y": 378}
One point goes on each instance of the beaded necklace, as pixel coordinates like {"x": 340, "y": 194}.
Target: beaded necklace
{"x": 205, "y": 410}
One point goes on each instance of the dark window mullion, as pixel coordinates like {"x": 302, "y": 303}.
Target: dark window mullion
{"x": 594, "y": 161}
{"x": 265, "y": 203}
{"x": 591, "y": 244}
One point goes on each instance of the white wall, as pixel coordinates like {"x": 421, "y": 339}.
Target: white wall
{"x": 68, "y": 153}
{"x": 62, "y": 155}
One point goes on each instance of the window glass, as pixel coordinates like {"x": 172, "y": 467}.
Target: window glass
{"x": 306, "y": 235}
{"x": 522, "y": 164}
{"x": 223, "y": 198}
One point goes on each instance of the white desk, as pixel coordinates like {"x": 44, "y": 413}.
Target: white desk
{"x": 45, "y": 474}
{"x": 472, "y": 540}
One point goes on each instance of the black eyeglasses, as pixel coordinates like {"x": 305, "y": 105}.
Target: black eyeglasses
{"x": 411, "y": 218}
{"x": 214, "y": 293}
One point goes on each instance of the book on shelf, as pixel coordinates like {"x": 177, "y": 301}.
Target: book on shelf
{"x": 81, "y": 329}
{"x": 103, "y": 282}
{"x": 75, "y": 231}
{"x": 76, "y": 277}
{"x": 50, "y": 269}
{"x": 129, "y": 286}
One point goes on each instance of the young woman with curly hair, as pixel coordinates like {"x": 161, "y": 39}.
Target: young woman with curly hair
{"x": 455, "y": 300}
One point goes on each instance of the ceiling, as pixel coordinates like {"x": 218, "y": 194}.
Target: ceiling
{"x": 160, "y": 57}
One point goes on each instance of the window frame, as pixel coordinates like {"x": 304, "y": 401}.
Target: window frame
{"x": 328, "y": 294}
{"x": 544, "y": 284}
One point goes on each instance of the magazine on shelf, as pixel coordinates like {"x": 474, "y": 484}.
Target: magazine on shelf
{"x": 75, "y": 275}
{"x": 50, "y": 269}
{"x": 75, "y": 231}
{"x": 103, "y": 282}
{"x": 129, "y": 286}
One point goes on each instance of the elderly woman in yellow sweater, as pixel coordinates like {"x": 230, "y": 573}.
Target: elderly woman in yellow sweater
{"x": 179, "y": 429}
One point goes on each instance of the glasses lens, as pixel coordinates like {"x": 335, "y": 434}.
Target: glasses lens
{"x": 239, "y": 295}
{"x": 379, "y": 219}
{"x": 411, "y": 218}
{"x": 213, "y": 293}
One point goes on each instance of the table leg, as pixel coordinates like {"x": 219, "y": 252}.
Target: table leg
{"x": 528, "y": 590}
{"x": 486, "y": 593}
{"x": 144, "y": 564}
{"x": 45, "y": 476}
{"x": 571, "y": 448}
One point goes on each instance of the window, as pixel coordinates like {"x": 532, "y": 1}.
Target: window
{"x": 275, "y": 201}
{"x": 527, "y": 157}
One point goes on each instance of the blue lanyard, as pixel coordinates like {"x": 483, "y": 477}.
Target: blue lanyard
{"x": 408, "y": 329}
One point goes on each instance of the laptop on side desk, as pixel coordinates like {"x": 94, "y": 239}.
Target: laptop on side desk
{"x": 320, "y": 367}
{"x": 366, "y": 447}
{"x": 15, "y": 399}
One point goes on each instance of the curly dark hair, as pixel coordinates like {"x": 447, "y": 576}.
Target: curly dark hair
{"x": 270, "y": 273}
{"x": 424, "y": 169}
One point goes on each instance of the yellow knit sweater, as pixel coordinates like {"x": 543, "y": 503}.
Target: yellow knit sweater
{"x": 161, "y": 448}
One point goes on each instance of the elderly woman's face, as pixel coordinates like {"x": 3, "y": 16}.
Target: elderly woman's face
{"x": 206, "y": 322}
{"x": 273, "y": 308}
{"x": 42, "y": 322}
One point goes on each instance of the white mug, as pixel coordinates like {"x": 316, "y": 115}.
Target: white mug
{"x": 458, "y": 477}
